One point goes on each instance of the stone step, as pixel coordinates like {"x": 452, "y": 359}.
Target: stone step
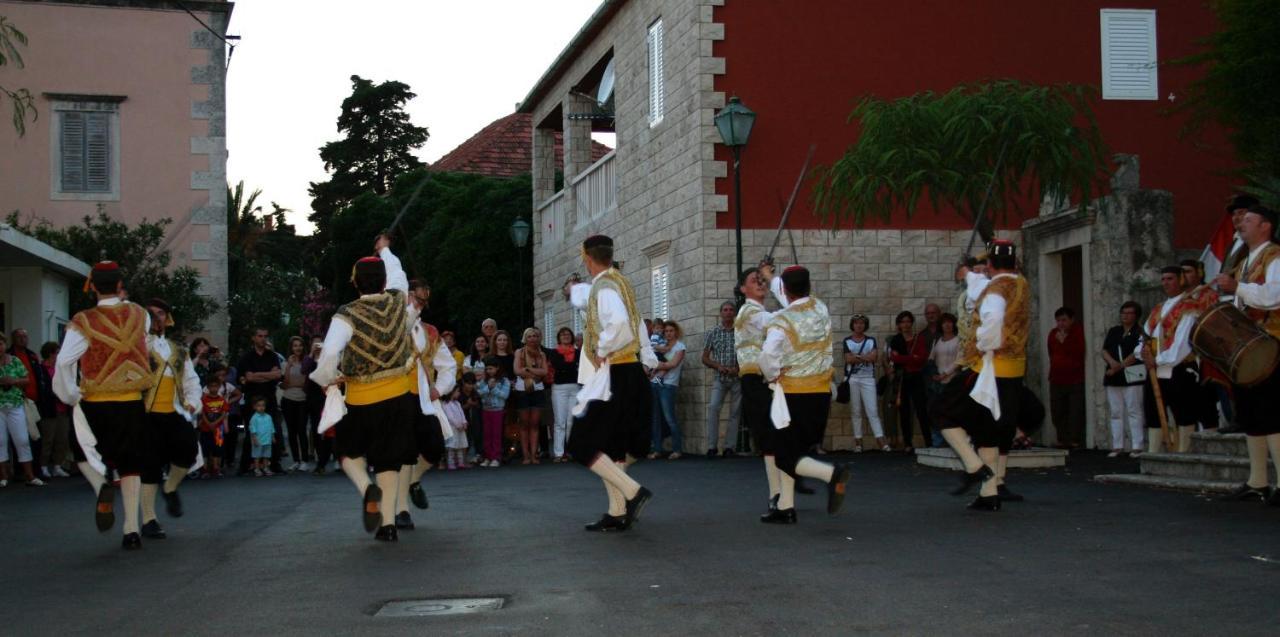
{"x": 1168, "y": 482}
{"x": 1197, "y": 466}
{"x": 1219, "y": 444}
{"x": 1034, "y": 458}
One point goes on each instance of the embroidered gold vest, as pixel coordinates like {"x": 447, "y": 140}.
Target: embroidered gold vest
{"x": 747, "y": 342}
{"x": 115, "y": 367}
{"x": 611, "y": 279}
{"x": 1268, "y": 320}
{"x": 159, "y": 399}
{"x": 1011, "y": 357}
{"x": 381, "y": 344}
{"x": 807, "y": 368}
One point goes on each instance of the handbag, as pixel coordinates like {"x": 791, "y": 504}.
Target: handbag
{"x": 33, "y": 420}
{"x": 842, "y": 392}
{"x": 1133, "y": 373}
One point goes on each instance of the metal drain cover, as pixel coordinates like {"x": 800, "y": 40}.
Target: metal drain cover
{"x": 435, "y": 607}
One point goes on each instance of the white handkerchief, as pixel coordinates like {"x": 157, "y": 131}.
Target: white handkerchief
{"x": 778, "y": 411}
{"x": 335, "y": 407}
{"x": 445, "y": 429}
{"x": 596, "y": 388}
{"x": 984, "y": 391}
{"x": 88, "y": 443}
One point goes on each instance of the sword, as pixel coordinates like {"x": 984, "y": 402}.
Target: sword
{"x": 786, "y": 212}
{"x": 982, "y": 210}
{"x": 395, "y": 223}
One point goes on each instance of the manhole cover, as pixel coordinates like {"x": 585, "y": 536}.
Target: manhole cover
{"x": 433, "y": 607}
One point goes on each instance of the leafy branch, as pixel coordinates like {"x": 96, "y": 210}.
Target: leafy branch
{"x": 21, "y": 99}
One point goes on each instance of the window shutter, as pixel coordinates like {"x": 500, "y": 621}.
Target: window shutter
{"x": 72, "y": 151}
{"x": 577, "y": 320}
{"x": 661, "y": 292}
{"x": 97, "y": 152}
{"x": 657, "y": 87}
{"x": 548, "y": 324}
{"x": 1129, "y": 69}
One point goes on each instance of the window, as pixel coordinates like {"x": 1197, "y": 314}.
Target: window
{"x": 548, "y": 324}
{"x": 85, "y": 162}
{"x": 577, "y": 320}
{"x": 657, "y": 85}
{"x": 661, "y": 292}
{"x": 1129, "y": 54}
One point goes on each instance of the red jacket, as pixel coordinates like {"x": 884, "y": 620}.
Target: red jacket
{"x": 1066, "y": 359}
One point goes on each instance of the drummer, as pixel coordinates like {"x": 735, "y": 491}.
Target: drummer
{"x": 1169, "y": 326}
{"x": 1255, "y": 282}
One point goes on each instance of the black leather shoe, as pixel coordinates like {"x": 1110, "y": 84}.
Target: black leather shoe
{"x": 418, "y": 496}
{"x": 985, "y": 503}
{"x": 606, "y": 524}
{"x": 153, "y": 531}
{"x": 836, "y": 488}
{"x": 1006, "y": 495}
{"x": 371, "y": 509}
{"x": 780, "y": 516}
{"x": 104, "y": 509}
{"x": 131, "y": 542}
{"x": 803, "y": 488}
{"x": 636, "y": 505}
{"x": 387, "y": 534}
{"x": 1246, "y": 492}
{"x": 172, "y": 504}
{"x": 404, "y": 521}
{"x": 969, "y": 480}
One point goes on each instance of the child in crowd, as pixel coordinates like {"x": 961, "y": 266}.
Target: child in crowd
{"x": 262, "y": 428}
{"x": 470, "y": 402}
{"x": 457, "y": 444}
{"x": 213, "y": 425}
{"x": 493, "y": 400}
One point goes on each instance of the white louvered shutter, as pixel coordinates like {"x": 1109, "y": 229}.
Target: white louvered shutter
{"x": 577, "y": 320}
{"x": 1129, "y": 70}
{"x": 548, "y": 324}
{"x": 657, "y": 85}
{"x": 661, "y": 292}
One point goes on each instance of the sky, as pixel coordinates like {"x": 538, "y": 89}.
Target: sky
{"x": 469, "y": 61}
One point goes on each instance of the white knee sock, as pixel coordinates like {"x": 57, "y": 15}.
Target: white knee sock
{"x": 1257, "y": 446}
{"x": 176, "y": 474}
{"x": 617, "y": 503}
{"x": 991, "y": 457}
{"x": 387, "y": 481}
{"x": 1002, "y": 464}
{"x": 358, "y": 471}
{"x": 1184, "y": 438}
{"x": 1155, "y": 440}
{"x": 419, "y": 469}
{"x": 1273, "y": 442}
{"x": 130, "y": 493}
{"x": 771, "y": 474}
{"x": 149, "y": 502}
{"x": 786, "y": 491}
{"x": 959, "y": 441}
{"x": 810, "y": 468}
{"x": 611, "y": 473}
{"x": 96, "y": 480}
{"x": 403, "y": 479}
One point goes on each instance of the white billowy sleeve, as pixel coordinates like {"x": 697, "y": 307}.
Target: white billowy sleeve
{"x": 191, "y": 390}
{"x": 616, "y": 330}
{"x": 335, "y": 341}
{"x": 775, "y": 287}
{"x": 975, "y": 283}
{"x": 776, "y": 346}
{"x": 396, "y": 278}
{"x": 990, "y": 335}
{"x": 446, "y": 370}
{"x": 1180, "y": 347}
{"x": 65, "y": 387}
{"x": 579, "y": 294}
{"x": 1264, "y": 296}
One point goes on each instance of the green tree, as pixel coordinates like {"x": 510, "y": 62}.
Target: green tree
{"x": 20, "y": 99}
{"x": 1006, "y": 137}
{"x": 146, "y": 266}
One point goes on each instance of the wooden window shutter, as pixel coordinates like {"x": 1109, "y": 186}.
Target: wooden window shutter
{"x": 72, "y": 152}
{"x": 1129, "y": 70}
{"x": 97, "y": 152}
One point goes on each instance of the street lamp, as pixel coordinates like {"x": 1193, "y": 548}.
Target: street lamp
{"x": 734, "y": 122}
{"x": 519, "y": 231}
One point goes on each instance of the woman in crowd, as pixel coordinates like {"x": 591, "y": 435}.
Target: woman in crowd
{"x": 199, "y": 350}
{"x": 504, "y": 353}
{"x": 860, "y": 372}
{"x": 13, "y": 417}
{"x": 1124, "y": 388}
{"x": 564, "y": 390}
{"x": 531, "y": 370}
{"x": 666, "y": 380}
{"x": 55, "y": 430}
{"x": 474, "y": 361}
{"x": 944, "y": 359}
{"x": 909, "y": 352}
{"x": 293, "y": 404}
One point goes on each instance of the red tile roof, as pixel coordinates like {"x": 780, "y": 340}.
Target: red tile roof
{"x": 503, "y": 149}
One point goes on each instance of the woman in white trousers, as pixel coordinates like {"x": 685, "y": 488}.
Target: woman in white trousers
{"x": 1124, "y": 395}
{"x": 564, "y": 390}
{"x": 860, "y": 373}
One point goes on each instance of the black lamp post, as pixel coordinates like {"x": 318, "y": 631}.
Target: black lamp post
{"x": 734, "y": 122}
{"x": 520, "y": 237}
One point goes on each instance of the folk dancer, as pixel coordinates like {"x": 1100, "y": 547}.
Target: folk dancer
{"x": 795, "y": 359}
{"x": 982, "y": 402}
{"x": 748, "y": 338}
{"x": 1256, "y": 286}
{"x": 1169, "y": 326}
{"x": 108, "y": 343}
{"x": 1204, "y": 296}
{"x": 369, "y": 347}
{"x": 172, "y": 406}
{"x": 436, "y": 375}
{"x": 614, "y": 404}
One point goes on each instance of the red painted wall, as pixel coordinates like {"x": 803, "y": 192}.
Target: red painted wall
{"x": 802, "y": 65}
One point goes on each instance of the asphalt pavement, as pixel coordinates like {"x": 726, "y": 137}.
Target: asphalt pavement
{"x": 287, "y": 555}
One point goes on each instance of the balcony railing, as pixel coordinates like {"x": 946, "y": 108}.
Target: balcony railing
{"x": 553, "y": 215}
{"x": 594, "y": 194}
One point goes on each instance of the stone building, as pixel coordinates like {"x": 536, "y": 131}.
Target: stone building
{"x": 664, "y": 194}
{"x": 131, "y": 96}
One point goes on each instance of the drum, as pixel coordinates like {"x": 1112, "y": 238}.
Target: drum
{"x": 1235, "y": 344}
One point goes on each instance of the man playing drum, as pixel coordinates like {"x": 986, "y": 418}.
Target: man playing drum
{"x": 1169, "y": 326}
{"x": 1256, "y": 285}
